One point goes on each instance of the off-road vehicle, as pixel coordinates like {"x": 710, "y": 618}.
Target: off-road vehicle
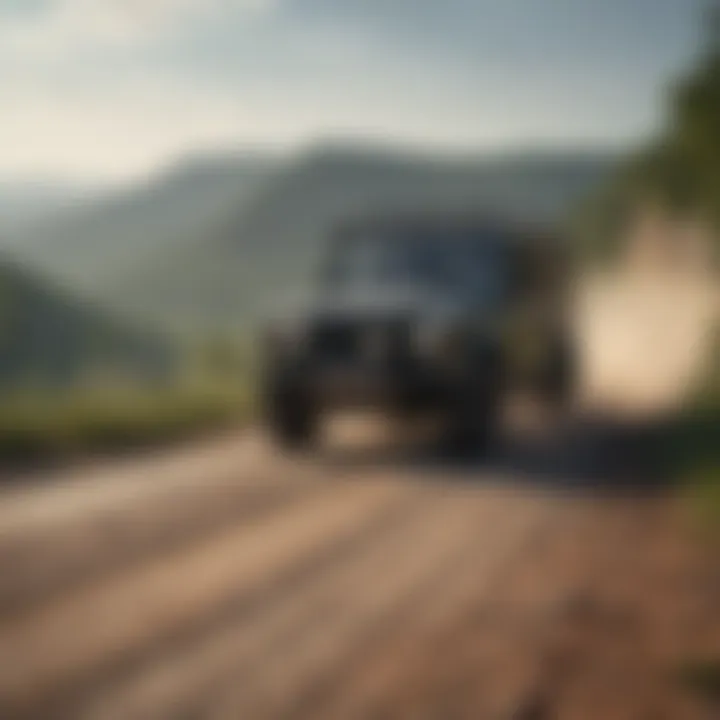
{"x": 424, "y": 314}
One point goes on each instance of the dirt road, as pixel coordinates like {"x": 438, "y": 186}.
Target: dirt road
{"x": 227, "y": 581}
{"x": 231, "y": 580}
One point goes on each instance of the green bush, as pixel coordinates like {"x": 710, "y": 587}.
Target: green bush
{"x": 36, "y": 423}
{"x": 697, "y": 443}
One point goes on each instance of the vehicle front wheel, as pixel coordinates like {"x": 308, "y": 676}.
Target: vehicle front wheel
{"x": 558, "y": 383}
{"x": 292, "y": 419}
{"x": 472, "y": 420}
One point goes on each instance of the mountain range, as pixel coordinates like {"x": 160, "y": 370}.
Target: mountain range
{"x": 25, "y": 203}
{"x": 50, "y": 338}
{"x": 215, "y": 241}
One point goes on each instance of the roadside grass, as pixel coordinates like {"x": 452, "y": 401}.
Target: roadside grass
{"x": 695, "y": 447}
{"x": 702, "y": 486}
{"x": 209, "y": 389}
{"x": 694, "y": 451}
{"x": 41, "y": 424}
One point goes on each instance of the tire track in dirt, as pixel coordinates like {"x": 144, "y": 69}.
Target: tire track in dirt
{"x": 305, "y": 665}
{"x": 32, "y": 568}
{"x": 180, "y": 681}
{"x": 60, "y": 530}
{"x": 75, "y": 637}
{"x": 355, "y": 687}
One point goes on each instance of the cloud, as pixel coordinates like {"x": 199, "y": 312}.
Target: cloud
{"x": 75, "y": 25}
{"x": 119, "y": 86}
{"x": 122, "y": 130}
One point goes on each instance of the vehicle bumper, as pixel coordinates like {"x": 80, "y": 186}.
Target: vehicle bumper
{"x": 402, "y": 389}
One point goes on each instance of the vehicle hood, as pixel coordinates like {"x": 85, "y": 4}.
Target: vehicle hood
{"x": 382, "y": 302}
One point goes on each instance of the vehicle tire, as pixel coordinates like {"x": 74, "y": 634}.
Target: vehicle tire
{"x": 559, "y": 379}
{"x": 292, "y": 419}
{"x": 473, "y": 417}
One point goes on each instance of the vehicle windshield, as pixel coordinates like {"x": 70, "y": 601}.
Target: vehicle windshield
{"x": 467, "y": 263}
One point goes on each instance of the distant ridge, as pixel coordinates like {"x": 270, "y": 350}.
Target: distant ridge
{"x": 216, "y": 241}
{"x": 47, "y": 337}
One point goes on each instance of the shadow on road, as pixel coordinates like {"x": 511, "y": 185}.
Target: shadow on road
{"x": 592, "y": 453}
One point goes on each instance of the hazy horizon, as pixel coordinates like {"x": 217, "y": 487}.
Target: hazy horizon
{"x": 201, "y": 155}
{"x": 110, "y": 91}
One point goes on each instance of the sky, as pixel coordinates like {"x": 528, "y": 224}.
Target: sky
{"x": 115, "y": 89}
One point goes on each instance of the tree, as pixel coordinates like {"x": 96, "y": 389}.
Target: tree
{"x": 693, "y": 134}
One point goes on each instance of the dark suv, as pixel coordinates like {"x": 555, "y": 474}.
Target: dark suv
{"x": 424, "y": 314}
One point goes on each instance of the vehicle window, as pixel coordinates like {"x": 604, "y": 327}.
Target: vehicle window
{"x": 468, "y": 263}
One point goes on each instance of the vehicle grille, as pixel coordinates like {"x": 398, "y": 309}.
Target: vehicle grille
{"x": 386, "y": 342}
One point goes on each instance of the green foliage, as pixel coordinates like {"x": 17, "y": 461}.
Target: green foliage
{"x": 597, "y": 224}
{"x": 696, "y": 449}
{"x": 695, "y": 129}
{"x": 679, "y": 170}
{"x": 73, "y": 378}
{"x": 39, "y": 423}
{"x": 49, "y": 337}
{"x": 685, "y": 164}
{"x": 222, "y": 356}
